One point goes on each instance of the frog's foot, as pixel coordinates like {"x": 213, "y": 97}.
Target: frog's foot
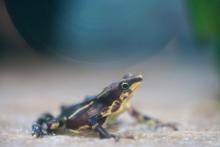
{"x": 104, "y": 134}
{"x": 156, "y": 124}
{"x": 36, "y": 130}
{"x": 109, "y": 136}
{"x": 45, "y": 125}
{"x": 173, "y": 126}
{"x": 41, "y": 130}
{"x": 116, "y": 137}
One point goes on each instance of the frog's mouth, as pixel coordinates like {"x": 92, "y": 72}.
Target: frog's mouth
{"x": 135, "y": 82}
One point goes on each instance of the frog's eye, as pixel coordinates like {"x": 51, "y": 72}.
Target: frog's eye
{"x": 124, "y": 86}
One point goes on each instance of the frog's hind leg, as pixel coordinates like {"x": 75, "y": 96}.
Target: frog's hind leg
{"x": 46, "y": 124}
{"x": 150, "y": 121}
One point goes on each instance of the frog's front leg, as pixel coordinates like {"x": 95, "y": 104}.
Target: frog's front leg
{"x": 45, "y": 125}
{"x": 103, "y": 133}
{"x": 149, "y": 120}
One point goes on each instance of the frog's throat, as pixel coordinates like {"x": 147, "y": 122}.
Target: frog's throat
{"x": 134, "y": 88}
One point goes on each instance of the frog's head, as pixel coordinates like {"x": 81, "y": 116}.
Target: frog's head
{"x": 122, "y": 90}
{"x": 129, "y": 85}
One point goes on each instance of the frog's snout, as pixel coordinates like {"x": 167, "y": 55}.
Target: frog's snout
{"x": 139, "y": 78}
{"x": 135, "y": 80}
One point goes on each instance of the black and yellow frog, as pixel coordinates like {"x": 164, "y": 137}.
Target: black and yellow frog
{"x": 94, "y": 113}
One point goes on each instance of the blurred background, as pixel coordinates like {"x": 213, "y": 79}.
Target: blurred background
{"x": 103, "y": 31}
{"x": 54, "y": 52}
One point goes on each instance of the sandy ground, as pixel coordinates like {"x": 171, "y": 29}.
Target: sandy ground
{"x": 184, "y": 94}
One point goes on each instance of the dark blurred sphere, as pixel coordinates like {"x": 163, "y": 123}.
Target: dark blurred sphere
{"x": 98, "y": 30}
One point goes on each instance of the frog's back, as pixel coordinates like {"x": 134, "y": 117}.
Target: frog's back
{"x": 66, "y": 111}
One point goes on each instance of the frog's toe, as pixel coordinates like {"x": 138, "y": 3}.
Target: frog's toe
{"x": 173, "y": 126}
{"x": 36, "y": 135}
{"x": 116, "y": 137}
{"x": 36, "y": 130}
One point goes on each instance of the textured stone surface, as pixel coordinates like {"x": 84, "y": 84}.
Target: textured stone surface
{"x": 180, "y": 94}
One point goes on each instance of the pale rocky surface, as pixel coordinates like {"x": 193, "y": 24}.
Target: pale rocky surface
{"x": 184, "y": 94}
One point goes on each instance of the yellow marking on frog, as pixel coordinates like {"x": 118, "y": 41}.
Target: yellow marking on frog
{"x": 54, "y": 125}
{"x": 74, "y": 131}
{"x": 80, "y": 109}
{"x": 95, "y": 125}
{"x": 83, "y": 127}
{"x": 80, "y": 129}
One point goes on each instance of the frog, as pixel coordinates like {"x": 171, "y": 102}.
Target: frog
{"x": 94, "y": 113}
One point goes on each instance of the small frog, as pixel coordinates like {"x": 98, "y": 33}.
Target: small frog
{"x": 95, "y": 113}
